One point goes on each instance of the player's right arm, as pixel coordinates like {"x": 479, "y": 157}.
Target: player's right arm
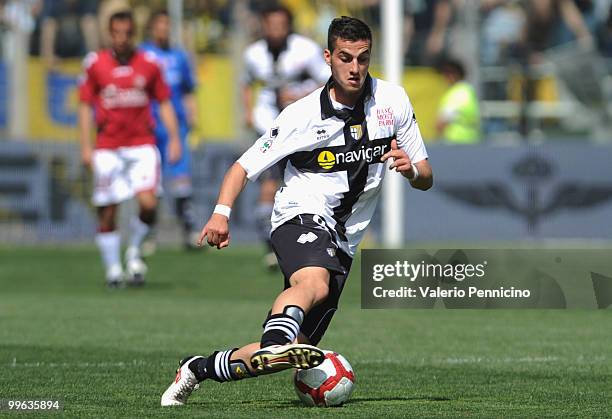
{"x": 85, "y": 122}
{"x": 88, "y": 89}
{"x": 216, "y": 229}
{"x": 280, "y": 141}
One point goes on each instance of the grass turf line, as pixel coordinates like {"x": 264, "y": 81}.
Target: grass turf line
{"x": 112, "y": 352}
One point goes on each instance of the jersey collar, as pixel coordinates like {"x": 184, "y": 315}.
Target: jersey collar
{"x": 126, "y": 60}
{"x": 357, "y": 113}
{"x": 276, "y": 52}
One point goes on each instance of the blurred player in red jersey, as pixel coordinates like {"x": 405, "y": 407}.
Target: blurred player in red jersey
{"x": 117, "y": 88}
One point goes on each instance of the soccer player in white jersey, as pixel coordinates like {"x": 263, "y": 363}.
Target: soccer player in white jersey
{"x": 288, "y": 66}
{"x": 336, "y": 142}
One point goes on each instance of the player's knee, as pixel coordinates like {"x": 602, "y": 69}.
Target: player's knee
{"x": 314, "y": 280}
{"x": 319, "y": 287}
{"x": 147, "y": 201}
{"x": 106, "y": 219}
{"x": 147, "y": 215}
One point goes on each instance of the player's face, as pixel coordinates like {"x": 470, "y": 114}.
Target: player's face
{"x": 349, "y": 64}
{"x": 121, "y": 34}
{"x": 276, "y": 28}
{"x": 160, "y": 31}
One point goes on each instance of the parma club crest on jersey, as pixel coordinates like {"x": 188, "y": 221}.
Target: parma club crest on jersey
{"x": 356, "y": 132}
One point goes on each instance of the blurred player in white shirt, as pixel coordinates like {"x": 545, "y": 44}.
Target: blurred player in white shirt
{"x": 287, "y": 66}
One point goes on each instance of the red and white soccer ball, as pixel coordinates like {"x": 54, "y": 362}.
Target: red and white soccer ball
{"x": 329, "y": 384}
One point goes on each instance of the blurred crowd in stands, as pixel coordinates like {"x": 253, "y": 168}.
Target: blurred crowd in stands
{"x": 509, "y": 28}
{"x": 504, "y": 34}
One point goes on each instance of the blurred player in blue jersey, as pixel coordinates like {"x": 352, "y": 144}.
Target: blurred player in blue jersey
{"x": 179, "y": 75}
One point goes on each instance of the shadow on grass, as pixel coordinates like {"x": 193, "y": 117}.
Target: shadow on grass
{"x": 399, "y": 399}
{"x": 274, "y": 403}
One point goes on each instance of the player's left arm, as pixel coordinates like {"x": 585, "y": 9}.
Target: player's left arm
{"x": 191, "y": 107}
{"x": 160, "y": 91}
{"x": 188, "y": 86}
{"x": 446, "y": 115}
{"x": 408, "y": 153}
{"x": 168, "y": 117}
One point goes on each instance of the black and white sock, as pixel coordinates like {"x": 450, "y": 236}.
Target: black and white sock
{"x": 219, "y": 367}
{"x": 282, "y": 328}
{"x": 185, "y": 213}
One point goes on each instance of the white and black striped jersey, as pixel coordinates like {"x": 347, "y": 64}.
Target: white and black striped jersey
{"x": 298, "y": 66}
{"x": 332, "y": 156}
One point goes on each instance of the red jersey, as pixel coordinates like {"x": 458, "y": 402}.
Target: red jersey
{"x": 121, "y": 96}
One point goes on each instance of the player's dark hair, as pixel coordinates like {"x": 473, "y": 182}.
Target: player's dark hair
{"x": 277, "y": 8}
{"x": 450, "y": 65}
{"x": 348, "y": 28}
{"x": 122, "y": 15}
{"x": 156, "y": 15}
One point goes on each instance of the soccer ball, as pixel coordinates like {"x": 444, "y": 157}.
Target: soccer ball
{"x": 329, "y": 384}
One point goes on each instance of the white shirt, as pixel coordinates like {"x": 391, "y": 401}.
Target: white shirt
{"x": 300, "y": 68}
{"x": 333, "y": 168}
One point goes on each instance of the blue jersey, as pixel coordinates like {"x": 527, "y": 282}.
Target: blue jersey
{"x": 179, "y": 75}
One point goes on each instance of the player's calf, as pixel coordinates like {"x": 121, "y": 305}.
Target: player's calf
{"x": 192, "y": 370}
{"x": 278, "y": 352}
{"x": 140, "y": 228}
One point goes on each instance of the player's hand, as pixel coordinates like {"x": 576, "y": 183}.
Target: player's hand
{"x": 216, "y": 232}
{"x": 248, "y": 119}
{"x": 86, "y": 158}
{"x": 174, "y": 150}
{"x": 191, "y": 120}
{"x": 401, "y": 162}
{"x": 434, "y": 44}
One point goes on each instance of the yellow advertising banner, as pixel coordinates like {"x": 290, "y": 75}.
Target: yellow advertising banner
{"x": 53, "y": 99}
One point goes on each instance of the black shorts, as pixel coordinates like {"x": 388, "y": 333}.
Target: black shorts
{"x": 305, "y": 241}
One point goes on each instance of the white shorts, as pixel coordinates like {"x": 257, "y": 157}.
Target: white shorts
{"x": 121, "y": 173}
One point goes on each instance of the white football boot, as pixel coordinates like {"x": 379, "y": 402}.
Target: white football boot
{"x": 281, "y": 357}
{"x": 114, "y": 277}
{"x": 190, "y": 239}
{"x": 183, "y": 385}
{"x": 135, "y": 266}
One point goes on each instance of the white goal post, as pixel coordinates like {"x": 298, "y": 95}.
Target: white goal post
{"x": 393, "y": 209}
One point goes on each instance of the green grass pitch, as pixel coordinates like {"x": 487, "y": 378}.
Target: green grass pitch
{"x": 111, "y": 353}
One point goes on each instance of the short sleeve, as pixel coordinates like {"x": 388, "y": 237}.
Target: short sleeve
{"x": 88, "y": 86}
{"x": 408, "y": 133}
{"x": 159, "y": 89}
{"x": 277, "y": 143}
